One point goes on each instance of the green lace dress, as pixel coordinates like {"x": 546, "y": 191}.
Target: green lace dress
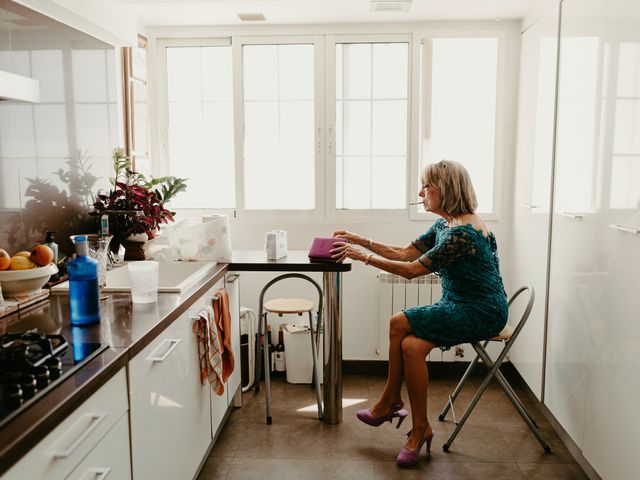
{"x": 473, "y": 304}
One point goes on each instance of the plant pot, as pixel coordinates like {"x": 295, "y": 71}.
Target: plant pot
{"x": 137, "y": 237}
{"x": 133, "y": 250}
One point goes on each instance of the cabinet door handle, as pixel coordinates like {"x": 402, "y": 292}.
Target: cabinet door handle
{"x": 529, "y": 205}
{"x": 99, "y": 473}
{"x": 174, "y": 342}
{"x": 232, "y": 277}
{"x": 94, "y": 420}
{"x": 625, "y": 228}
{"x": 575, "y": 216}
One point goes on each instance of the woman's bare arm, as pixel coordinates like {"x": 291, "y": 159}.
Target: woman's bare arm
{"x": 406, "y": 254}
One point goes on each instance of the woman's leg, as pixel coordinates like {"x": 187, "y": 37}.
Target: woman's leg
{"x": 416, "y": 375}
{"x": 399, "y": 328}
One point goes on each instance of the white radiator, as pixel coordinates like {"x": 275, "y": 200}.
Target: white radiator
{"x": 396, "y": 293}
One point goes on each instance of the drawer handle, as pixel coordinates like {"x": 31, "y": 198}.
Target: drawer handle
{"x": 232, "y": 277}
{"x": 94, "y": 420}
{"x": 174, "y": 343}
{"x": 575, "y": 216}
{"x": 529, "y": 205}
{"x": 96, "y": 474}
{"x": 625, "y": 228}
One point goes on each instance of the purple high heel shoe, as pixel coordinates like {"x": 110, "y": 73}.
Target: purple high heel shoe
{"x": 397, "y": 410}
{"x": 406, "y": 458}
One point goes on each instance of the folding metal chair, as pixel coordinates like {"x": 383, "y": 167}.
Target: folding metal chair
{"x": 508, "y": 336}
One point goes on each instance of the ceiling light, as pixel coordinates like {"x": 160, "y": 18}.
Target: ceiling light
{"x": 251, "y": 17}
{"x": 390, "y": 5}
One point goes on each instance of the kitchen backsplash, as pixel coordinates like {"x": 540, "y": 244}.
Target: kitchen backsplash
{"x": 56, "y": 154}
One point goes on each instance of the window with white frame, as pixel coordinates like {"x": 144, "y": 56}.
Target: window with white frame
{"x": 325, "y": 120}
{"x": 200, "y": 124}
{"x": 371, "y": 125}
{"x": 279, "y": 118}
{"x": 458, "y": 121}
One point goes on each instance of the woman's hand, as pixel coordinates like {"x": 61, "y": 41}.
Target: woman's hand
{"x": 343, "y": 250}
{"x": 351, "y": 237}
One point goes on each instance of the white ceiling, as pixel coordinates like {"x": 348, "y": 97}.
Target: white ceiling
{"x": 224, "y": 12}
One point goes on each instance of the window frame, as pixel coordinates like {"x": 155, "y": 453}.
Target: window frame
{"x": 274, "y": 215}
{"x": 326, "y": 36}
{"x": 161, "y": 163}
{"x": 376, "y": 214}
{"x": 423, "y": 107}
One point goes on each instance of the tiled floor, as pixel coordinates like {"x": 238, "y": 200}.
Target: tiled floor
{"x": 494, "y": 444}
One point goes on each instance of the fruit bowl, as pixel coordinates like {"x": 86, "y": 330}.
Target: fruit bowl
{"x": 19, "y": 283}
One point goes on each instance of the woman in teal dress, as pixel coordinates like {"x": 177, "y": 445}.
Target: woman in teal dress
{"x": 460, "y": 249}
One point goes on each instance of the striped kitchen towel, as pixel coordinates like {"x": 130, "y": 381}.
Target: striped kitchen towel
{"x": 209, "y": 349}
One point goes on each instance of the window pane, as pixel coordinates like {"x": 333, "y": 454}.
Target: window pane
{"x": 354, "y": 67}
{"x": 390, "y": 70}
{"x": 279, "y": 119}
{"x": 388, "y": 171}
{"x": 463, "y": 109}
{"x": 389, "y": 136}
{"x": 201, "y": 125}
{"x": 371, "y": 125}
{"x": 356, "y": 173}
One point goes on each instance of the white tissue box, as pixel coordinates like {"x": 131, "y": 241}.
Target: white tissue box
{"x": 275, "y": 244}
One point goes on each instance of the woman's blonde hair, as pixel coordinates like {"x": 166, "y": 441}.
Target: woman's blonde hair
{"x": 456, "y": 189}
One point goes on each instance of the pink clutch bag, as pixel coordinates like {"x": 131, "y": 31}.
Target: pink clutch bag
{"x": 321, "y": 247}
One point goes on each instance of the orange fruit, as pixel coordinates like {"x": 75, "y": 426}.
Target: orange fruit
{"x": 5, "y": 259}
{"x": 41, "y": 255}
{"x": 21, "y": 263}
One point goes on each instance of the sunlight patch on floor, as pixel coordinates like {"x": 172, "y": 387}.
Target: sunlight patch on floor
{"x": 346, "y": 402}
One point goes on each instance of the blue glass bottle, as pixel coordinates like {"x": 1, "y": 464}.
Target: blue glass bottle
{"x": 84, "y": 298}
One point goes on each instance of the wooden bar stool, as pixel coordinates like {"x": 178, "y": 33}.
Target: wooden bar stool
{"x": 283, "y": 306}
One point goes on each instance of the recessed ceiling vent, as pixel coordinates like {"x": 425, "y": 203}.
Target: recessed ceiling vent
{"x": 251, "y": 17}
{"x": 390, "y": 5}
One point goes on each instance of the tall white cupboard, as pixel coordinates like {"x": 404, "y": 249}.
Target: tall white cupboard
{"x": 591, "y": 383}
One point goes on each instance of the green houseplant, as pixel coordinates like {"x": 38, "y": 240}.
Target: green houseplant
{"x": 143, "y": 198}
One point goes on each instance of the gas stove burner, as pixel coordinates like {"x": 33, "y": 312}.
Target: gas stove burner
{"x": 32, "y": 362}
{"x": 29, "y": 349}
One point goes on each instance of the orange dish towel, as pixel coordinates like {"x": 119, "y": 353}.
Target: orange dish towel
{"x": 223, "y": 321}
{"x": 209, "y": 349}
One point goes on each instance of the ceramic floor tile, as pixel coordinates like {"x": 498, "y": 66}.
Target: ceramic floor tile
{"x": 296, "y": 469}
{"x": 214, "y": 469}
{"x": 550, "y": 471}
{"x": 495, "y": 443}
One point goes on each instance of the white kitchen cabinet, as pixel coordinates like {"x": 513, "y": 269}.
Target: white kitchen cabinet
{"x": 602, "y": 113}
{"x": 110, "y": 458}
{"x": 170, "y": 407}
{"x": 530, "y": 225}
{"x": 232, "y": 284}
{"x": 60, "y": 452}
{"x": 219, "y": 403}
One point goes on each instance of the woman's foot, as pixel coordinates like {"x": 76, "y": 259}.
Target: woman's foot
{"x": 410, "y": 453}
{"x": 416, "y": 436}
{"x": 382, "y": 407}
{"x": 379, "y": 414}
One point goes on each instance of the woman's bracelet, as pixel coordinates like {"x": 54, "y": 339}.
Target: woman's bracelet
{"x": 368, "y": 259}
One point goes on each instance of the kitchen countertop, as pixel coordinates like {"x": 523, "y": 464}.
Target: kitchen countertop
{"x": 126, "y": 327}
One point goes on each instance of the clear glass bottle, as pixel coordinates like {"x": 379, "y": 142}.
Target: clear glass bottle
{"x": 84, "y": 299}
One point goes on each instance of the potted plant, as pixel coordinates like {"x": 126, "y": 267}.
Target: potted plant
{"x": 142, "y": 199}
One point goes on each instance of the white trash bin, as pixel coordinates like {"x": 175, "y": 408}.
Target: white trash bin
{"x": 297, "y": 350}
